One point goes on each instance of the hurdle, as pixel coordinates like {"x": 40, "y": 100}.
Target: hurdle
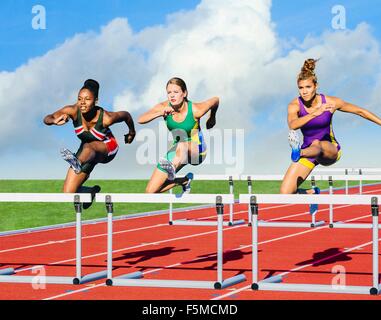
{"x": 361, "y": 178}
{"x": 338, "y": 171}
{"x": 367, "y": 172}
{"x": 7, "y": 275}
{"x": 135, "y": 278}
{"x": 189, "y": 222}
{"x": 275, "y": 283}
{"x": 251, "y": 178}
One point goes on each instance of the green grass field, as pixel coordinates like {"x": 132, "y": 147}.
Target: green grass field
{"x": 15, "y": 216}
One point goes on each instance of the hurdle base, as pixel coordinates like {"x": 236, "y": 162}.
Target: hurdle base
{"x": 32, "y": 279}
{"x": 268, "y": 224}
{"x": 275, "y": 279}
{"x": 7, "y": 272}
{"x": 315, "y": 288}
{"x": 343, "y": 225}
{"x": 374, "y": 291}
{"x": 230, "y": 282}
{"x": 236, "y": 223}
{"x": 90, "y": 277}
{"x": 185, "y": 222}
{"x": 317, "y": 224}
{"x": 133, "y": 275}
{"x": 134, "y": 280}
{"x": 163, "y": 283}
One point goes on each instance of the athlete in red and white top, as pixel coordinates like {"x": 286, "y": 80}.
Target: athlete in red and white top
{"x": 91, "y": 124}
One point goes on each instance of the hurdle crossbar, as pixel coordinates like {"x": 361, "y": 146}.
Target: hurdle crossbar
{"x": 7, "y": 275}
{"x": 316, "y": 177}
{"x": 348, "y": 175}
{"x": 135, "y": 278}
{"x": 275, "y": 283}
{"x": 230, "y": 179}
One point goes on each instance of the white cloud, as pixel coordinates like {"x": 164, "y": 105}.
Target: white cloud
{"x": 229, "y": 49}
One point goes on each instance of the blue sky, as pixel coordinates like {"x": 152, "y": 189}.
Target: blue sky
{"x": 66, "y": 18}
{"x": 297, "y": 18}
{"x": 292, "y": 22}
{"x": 18, "y": 41}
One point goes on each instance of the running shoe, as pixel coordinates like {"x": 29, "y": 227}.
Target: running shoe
{"x": 294, "y": 141}
{"x": 314, "y": 207}
{"x": 169, "y": 168}
{"x": 70, "y": 157}
{"x": 94, "y": 190}
{"x": 187, "y": 186}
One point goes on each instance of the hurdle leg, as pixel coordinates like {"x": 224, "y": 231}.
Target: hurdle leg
{"x": 231, "y": 191}
{"x": 109, "y": 280}
{"x": 220, "y": 214}
{"x": 170, "y": 210}
{"x": 79, "y": 279}
{"x": 78, "y": 238}
{"x": 254, "y": 235}
{"x": 110, "y": 210}
{"x": 231, "y": 208}
{"x": 330, "y": 181}
{"x": 375, "y": 216}
{"x": 346, "y": 182}
{"x": 250, "y": 189}
{"x": 221, "y": 283}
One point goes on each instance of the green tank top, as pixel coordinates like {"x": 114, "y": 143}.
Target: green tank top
{"x": 186, "y": 130}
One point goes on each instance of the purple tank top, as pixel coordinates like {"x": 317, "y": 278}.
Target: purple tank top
{"x": 319, "y": 128}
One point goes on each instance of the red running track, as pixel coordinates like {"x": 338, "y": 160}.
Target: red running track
{"x": 161, "y": 251}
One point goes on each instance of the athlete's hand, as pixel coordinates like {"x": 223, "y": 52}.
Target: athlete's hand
{"x": 332, "y": 107}
{"x": 167, "y": 111}
{"x": 61, "y": 120}
{"x": 210, "y": 123}
{"x": 320, "y": 109}
{"x": 129, "y": 137}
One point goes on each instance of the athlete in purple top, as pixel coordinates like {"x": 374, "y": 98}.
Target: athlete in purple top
{"x": 318, "y": 129}
{"x": 312, "y": 113}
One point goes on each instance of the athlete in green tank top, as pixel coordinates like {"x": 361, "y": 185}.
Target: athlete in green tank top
{"x": 188, "y": 130}
{"x": 182, "y": 118}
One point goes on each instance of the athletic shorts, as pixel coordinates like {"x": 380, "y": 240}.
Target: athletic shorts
{"x": 194, "y": 162}
{"x": 311, "y": 163}
{"x": 112, "y": 150}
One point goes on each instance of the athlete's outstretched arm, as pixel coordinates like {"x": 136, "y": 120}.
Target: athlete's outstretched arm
{"x": 61, "y": 116}
{"x": 351, "y": 108}
{"x": 160, "y": 110}
{"x": 121, "y": 116}
{"x": 200, "y": 109}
